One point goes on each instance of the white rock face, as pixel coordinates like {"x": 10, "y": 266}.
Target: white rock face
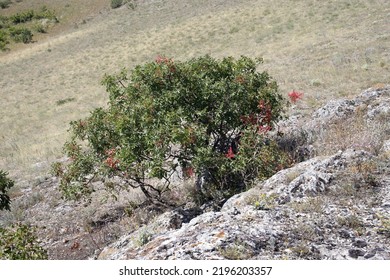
{"x": 306, "y": 218}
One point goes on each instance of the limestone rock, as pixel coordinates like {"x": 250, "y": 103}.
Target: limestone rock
{"x": 312, "y": 224}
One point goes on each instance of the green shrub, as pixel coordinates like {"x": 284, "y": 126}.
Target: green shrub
{"x": 18, "y": 242}
{"x": 204, "y": 117}
{"x": 22, "y": 17}
{"x": 132, "y": 4}
{"x": 39, "y": 27}
{"x": 21, "y": 34}
{"x": 5, "y": 185}
{"x": 64, "y": 101}
{"x": 45, "y": 13}
{"x": 4, "y": 22}
{"x": 14, "y": 27}
{"x": 3, "y": 40}
{"x": 116, "y": 3}
{"x": 5, "y": 4}
{"x": 29, "y": 15}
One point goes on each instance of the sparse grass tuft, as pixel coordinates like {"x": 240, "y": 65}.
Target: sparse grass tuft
{"x": 302, "y": 250}
{"x": 385, "y": 225}
{"x": 311, "y": 205}
{"x": 144, "y": 238}
{"x": 236, "y": 251}
{"x": 352, "y": 222}
{"x": 263, "y": 201}
{"x": 356, "y": 132}
{"x": 64, "y": 101}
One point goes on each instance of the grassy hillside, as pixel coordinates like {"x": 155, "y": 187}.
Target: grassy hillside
{"x": 327, "y": 49}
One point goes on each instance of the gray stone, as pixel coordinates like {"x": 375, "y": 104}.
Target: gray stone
{"x": 359, "y": 243}
{"x": 370, "y": 254}
{"x": 355, "y": 253}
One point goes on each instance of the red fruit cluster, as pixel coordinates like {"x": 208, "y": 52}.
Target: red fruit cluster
{"x": 188, "y": 172}
{"x": 240, "y": 79}
{"x": 230, "y": 153}
{"x": 262, "y": 119}
{"x": 265, "y": 112}
{"x": 251, "y": 119}
{"x": 263, "y": 129}
{"x": 166, "y": 61}
{"x": 295, "y": 95}
{"x": 111, "y": 161}
{"x": 163, "y": 60}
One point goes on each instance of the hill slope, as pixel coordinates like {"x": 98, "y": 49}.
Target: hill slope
{"x": 326, "y": 49}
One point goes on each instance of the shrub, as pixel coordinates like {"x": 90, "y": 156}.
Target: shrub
{"x": 116, "y": 3}
{"x": 21, "y": 34}
{"x": 132, "y": 4}
{"x": 64, "y": 101}
{"x": 4, "y": 22}
{"x": 41, "y": 28}
{"x": 5, "y": 4}
{"x": 13, "y": 26}
{"x": 18, "y": 242}
{"x": 3, "y": 40}
{"x": 204, "y": 117}
{"x": 22, "y": 17}
{"x": 5, "y": 185}
{"x": 45, "y": 13}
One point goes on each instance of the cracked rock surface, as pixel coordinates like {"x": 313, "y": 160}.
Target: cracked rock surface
{"x": 315, "y": 215}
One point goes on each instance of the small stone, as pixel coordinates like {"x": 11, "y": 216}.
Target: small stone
{"x": 345, "y": 233}
{"x": 386, "y": 146}
{"x": 235, "y": 211}
{"x": 283, "y": 199}
{"x": 370, "y": 254}
{"x": 170, "y": 252}
{"x": 359, "y": 243}
{"x": 355, "y": 253}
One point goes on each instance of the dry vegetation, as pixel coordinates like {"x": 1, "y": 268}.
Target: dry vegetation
{"x": 355, "y": 132}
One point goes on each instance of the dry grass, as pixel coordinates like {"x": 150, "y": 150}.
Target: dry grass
{"x": 311, "y": 205}
{"x": 326, "y": 49}
{"x": 236, "y": 251}
{"x": 355, "y": 132}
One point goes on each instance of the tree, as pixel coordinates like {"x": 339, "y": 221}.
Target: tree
{"x": 204, "y": 117}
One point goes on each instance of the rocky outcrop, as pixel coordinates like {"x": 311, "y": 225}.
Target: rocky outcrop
{"x": 327, "y": 207}
{"x": 373, "y": 103}
{"x": 359, "y": 123}
{"x": 309, "y": 211}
